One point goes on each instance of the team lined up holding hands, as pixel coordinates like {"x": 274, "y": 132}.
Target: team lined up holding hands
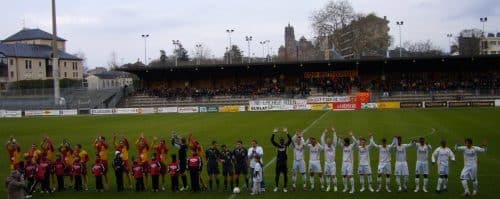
{"x": 441, "y": 155}
{"x": 48, "y": 168}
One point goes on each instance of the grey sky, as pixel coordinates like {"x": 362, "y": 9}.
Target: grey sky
{"x": 99, "y": 27}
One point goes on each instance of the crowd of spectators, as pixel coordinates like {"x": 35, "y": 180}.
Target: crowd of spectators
{"x": 435, "y": 82}
{"x": 337, "y": 86}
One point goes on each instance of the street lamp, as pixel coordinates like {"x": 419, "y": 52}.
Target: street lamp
{"x": 199, "y": 52}
{"x": 229, "y": 31}
{"x": 145, "y": 37}
{"x": 248, "y": 39}
{"x": 483, "y": 20}
{"x": 263, "y": 47}
{"x": 176, "y": 43}
{"x": 400, "y": 24}
{"x": 449, "y": 35}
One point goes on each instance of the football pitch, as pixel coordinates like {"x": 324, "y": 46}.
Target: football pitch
{"x": 482, "y": 125}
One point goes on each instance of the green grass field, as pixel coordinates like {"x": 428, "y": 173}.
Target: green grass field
{"x": 453, "y": 125}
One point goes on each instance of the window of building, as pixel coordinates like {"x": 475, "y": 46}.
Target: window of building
{"x": 493, "y": 43}
{"x": 40, "y": 64}
{"x": 65, "y": 75}
{"x": 11, "y": 74}
{"x": 11, "y": 62}
{"x": 27, "y": 64}
{"x": 64, "y": 63}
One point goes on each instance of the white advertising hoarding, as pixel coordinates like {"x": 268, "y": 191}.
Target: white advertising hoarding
{"x": 102, "y": 111}
{"x": 126, "y": 110}
{"x": 167, "y": 110}
{"x": 278, "y": 105}
{"x": 316, "y": 100}
{"x": 187, "y": 109}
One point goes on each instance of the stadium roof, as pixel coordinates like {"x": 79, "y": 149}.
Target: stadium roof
{"x": 366, "y": 64}
{"x": 30, "y": 34}
{"x": 112, "y": 75}
{"x": 32, "y": 51}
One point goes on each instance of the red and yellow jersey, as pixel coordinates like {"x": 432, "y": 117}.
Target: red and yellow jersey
{"x": 194, "y": 145}
{"x": 161, "y": 152}
{"x": 48, "y": 148}
{"x": 144, "y": 155}
{"x": 14, "y": 153}
{"x": 124, "y": 152}
{"x": 34, "y": 154}
{"x": 102, "y": 149}
{"x": 83, "y": 155}
{"x": 67, "y": 155}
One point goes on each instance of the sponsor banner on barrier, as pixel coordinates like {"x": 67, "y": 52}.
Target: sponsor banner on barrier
{"x": 277, "y": 105}
{"x": 17, "y": 113}
{"x": 102, "y": 111}
{"x": 188, "y": 109}
{"x": 147, "y": 110}
{"x": 42, "y": 112}
{"x": 69, "y": 112}
{"x": 497, "y": 103}
{"x": 483, "y": 103}
{"x": 126, "y": 110}
{"x": 345, "y": 106}
{"x": 321, "y": 107}
{"x": 388, "y": 105}
{"x": 435, "y": 104}
{"x": 202, "y": 109}
{"x": 411, "y": 104}
{"x": 369, "y": 106}
{"x": 229, "y": 109}
{"x": 459, "y": 104}
{"x": 320, "y": 100}
{"x": 166, "y": 110}
{"x": 243, "y": 108}
{"x": 258, "y": 108}
{"x": 2, "y": 113}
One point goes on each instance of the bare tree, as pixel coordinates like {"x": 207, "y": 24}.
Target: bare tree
{"x": 422, "y": 48}
{"x": 332, "y": 18}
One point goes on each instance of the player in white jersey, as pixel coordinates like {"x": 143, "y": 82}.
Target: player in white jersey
{"x": 422, "y": 167}
{"x": 384, "y": 163}
{"x": 401, "y": 166}
{"x": 299, "y": 164}
{"x": 443, "y": 155}
{"x": 469, "y": 172}
{"x": 348, "y": 162}
{"x": 364, "y": 168}
{"x": 314, "y": 161}
{"x": 330, "y": 166}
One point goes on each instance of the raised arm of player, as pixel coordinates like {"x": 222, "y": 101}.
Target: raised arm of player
{"x": 323, "y": 142}
{"x": 335, "y": 140}
{"x": 372, "y": 142}
{"x": 272, "y": 138}
{"x": 354, "y": 140}
{"x": 394, "y": 142}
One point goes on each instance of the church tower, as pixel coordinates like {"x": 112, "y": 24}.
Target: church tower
{"x": 290, "y": 43}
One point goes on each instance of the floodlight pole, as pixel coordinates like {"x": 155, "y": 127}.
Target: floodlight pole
{"x": 55, "y": 57}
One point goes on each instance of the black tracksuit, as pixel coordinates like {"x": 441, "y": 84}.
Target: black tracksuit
{"x": 281, "y": 159}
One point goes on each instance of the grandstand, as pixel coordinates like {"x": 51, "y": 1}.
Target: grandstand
{"x": 454, "y": 78}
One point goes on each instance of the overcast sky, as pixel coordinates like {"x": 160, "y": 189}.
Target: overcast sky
{"x": 100, "y": 27}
